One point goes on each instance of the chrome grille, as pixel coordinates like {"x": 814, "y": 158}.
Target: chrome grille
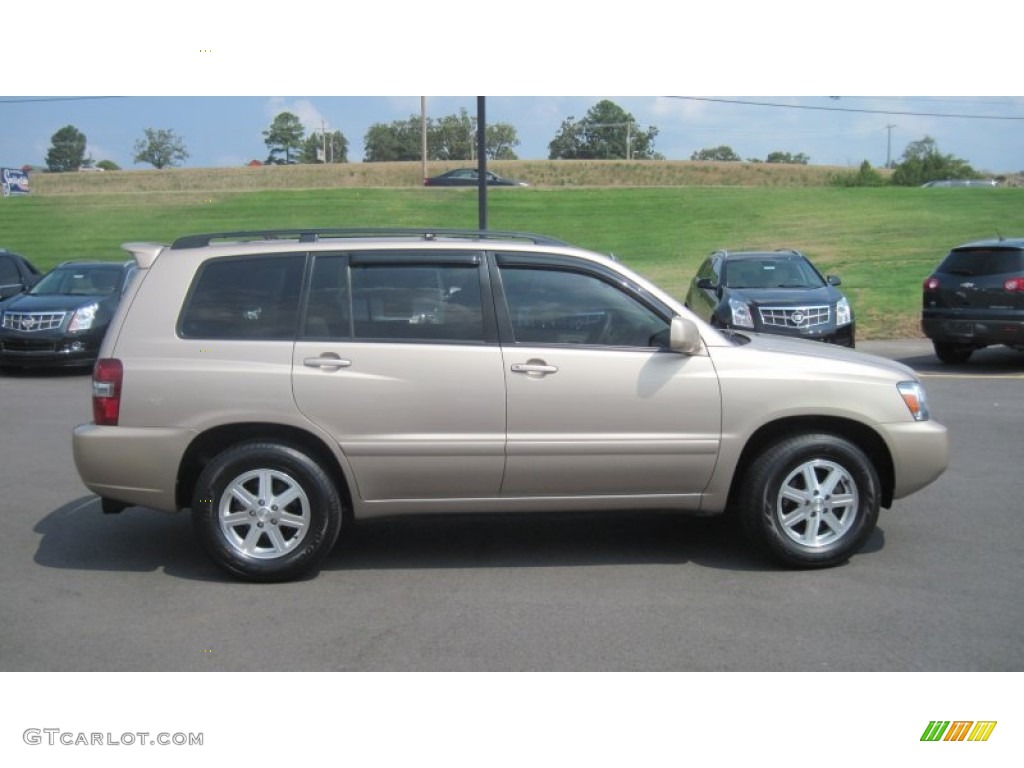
{"x": 33, "y": 321}
{"x": 794, "y": 317}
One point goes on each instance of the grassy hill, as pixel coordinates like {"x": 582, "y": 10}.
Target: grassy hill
{"x": 543, "y": 173}
{"x": 660, "y": 218}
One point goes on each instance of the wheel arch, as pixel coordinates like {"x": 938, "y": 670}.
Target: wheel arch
{"x": 211, "y": 442}
{"x": 861, "y": 435}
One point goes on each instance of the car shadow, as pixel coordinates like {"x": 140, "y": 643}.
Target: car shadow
{"x": 79, "y": 536}
{"x": 989, "y": 361}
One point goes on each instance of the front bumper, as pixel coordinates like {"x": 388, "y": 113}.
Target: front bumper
{"x": 48, "y": 349}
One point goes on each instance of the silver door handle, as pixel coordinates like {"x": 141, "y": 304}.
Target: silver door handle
{"x": 533, "y": 368}
{"x": 326, "y": 362}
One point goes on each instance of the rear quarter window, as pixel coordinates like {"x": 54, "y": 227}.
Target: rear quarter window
{"x": 244, "y": 298}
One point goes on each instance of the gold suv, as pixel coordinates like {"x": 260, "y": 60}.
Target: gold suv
{"x": 284, "y": 383}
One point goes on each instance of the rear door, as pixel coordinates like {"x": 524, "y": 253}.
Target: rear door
{"x": 398, "y": 359}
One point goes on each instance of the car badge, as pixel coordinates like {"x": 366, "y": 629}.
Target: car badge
{"x": 966, "y": 285}
{"x": 798, "y": 318}
{"x": 28, "y": 323}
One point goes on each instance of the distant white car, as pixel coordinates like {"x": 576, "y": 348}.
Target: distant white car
{"x": 962, "y": 183}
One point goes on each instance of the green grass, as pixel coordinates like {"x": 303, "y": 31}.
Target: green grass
{"x": 882, "y": 242}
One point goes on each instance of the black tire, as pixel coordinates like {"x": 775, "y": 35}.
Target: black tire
{"x": 810, "y": 501}
{"x": 266, "y": 512}
{"x": 952, "y": 354}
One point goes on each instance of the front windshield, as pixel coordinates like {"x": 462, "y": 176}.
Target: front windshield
{"x": 79, "y": 281}
{"x": 772, "y": 273}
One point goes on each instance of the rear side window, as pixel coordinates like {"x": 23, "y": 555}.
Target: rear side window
{"x": 244, "y": 298}
{"x": 439, "y": 302}
{"x": 8, "y": 271}
{"x": 977, "y": 262}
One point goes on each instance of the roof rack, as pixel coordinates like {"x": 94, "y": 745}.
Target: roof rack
{"x": 315, "y": 235}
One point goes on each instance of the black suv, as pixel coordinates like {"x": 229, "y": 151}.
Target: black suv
{"x": 62, "y": 319}
{"x": 975, "y": 298}
{"x": 778, "y": 292}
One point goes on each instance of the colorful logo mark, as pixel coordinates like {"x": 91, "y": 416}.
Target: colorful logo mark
{"x": 959, "y": 730}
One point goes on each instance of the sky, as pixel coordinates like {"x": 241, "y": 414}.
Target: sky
{"x": 221, "y": 131}
{"x": 846, "y": 84}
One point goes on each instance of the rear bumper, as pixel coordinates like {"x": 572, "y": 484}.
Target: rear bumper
{"x": 134, "y": 465}
{"x": 976, "y": 332}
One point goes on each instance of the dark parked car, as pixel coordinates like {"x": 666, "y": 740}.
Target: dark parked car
{"x": 470, "y": 177}
{"x": 975, "y": 298}
{"x": 62, "y": 319}
{"x": 778, "y": 292}
{"x": 16, "y": 274}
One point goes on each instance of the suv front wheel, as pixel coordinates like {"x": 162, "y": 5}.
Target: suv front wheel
{"x": 266, "y": 512}
{"x": 810, "y": 501}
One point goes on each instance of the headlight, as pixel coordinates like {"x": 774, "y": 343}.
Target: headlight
{"x": 740, "y": 314}
{"x": 843, "y": 314}
{"x": 83, "y": 318}
{"x": 913, "y": 395}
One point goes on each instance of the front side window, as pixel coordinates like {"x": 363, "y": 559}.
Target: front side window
{"x": 559, "y": 306}
{"x": 245, "y": 298}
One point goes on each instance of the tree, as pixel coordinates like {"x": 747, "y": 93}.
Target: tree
{"x": 606, "y": 132}
{"x": 284, "y": 137}
{"x": 785, "y": 157}
{"x": 389, "y": 143}
{"x": 722, "y": 153}
{"x": 501, "y": 137}
{"x": 922, "y": 162}
{"x": 161, "y": 148}
{"x": 108, "y": 165}
{"x": 866, "y": 176}
{"x": 67, "y": 150}
{"x": 452, "y": 137}
{"x": 315, "y": 149}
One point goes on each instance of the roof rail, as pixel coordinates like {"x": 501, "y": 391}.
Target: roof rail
{"x": 315, "y": 235}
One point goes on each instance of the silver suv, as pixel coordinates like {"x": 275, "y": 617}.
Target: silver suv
{"x": 282, "y": 384}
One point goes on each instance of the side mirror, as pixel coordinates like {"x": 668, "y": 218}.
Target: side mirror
{"x": 684, "y": 336}
{"x": 706, "y": 284}
{"x": 833, "y": 280}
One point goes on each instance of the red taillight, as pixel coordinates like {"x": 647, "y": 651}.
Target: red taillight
{"x": 931, "y": 284}
{"x": 106, "y": 391}
{"x": 1014, "y": 284}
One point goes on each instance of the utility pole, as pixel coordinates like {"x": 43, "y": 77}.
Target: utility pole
{"x": 888, "y": 147}
{"x": 423, "y": 136}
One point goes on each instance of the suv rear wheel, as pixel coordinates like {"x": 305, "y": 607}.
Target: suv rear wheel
{"x": 810, "y": 501}
{"x": 266, "y": 512}
{"x": 952, "y": 353}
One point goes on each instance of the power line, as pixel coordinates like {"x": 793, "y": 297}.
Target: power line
{"x": 845, "y": 109}
{"x": 40, "y": 99}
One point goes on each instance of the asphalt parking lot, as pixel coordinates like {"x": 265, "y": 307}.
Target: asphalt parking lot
{"x": 937, "y": 588}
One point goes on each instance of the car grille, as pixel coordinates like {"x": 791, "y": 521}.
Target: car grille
{"x": 27, "y": 345}
{"x": 33, "y": 321}
{"x": 794, "y": 317}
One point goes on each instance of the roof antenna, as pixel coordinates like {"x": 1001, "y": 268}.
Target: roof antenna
{"x": 999, "y": 235}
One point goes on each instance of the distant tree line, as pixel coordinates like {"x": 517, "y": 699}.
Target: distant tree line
{"x": 606, "y": 131}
